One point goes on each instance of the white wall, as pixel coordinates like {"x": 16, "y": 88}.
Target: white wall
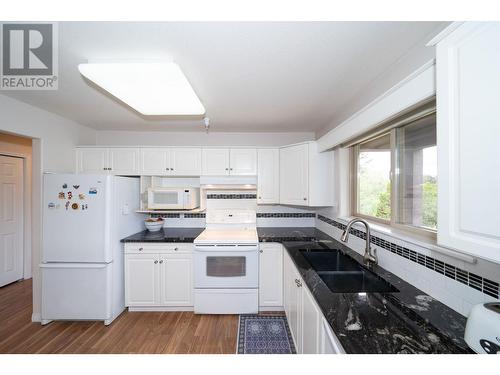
{"x": 131, "y": 138}
{"x": 53, "y": 150}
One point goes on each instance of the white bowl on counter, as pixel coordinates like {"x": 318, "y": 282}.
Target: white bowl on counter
{"x": 154, "y": 225}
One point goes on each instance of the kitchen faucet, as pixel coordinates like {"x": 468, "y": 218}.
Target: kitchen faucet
{"x": 368, "y": 257}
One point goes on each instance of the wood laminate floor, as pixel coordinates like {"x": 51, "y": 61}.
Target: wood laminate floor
{"x": 131, "y": 332}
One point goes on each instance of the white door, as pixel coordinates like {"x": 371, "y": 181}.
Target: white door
{"x": 243, "y": 161}
{"x": 294, "y": 175}
{"x": 142, "y": 279}
{"x": 468, "y": 138}
{"x": 92, "y": 160}
{"x": 155, "y": 161}
{"x": 185, "y": 161}
{"x": 123, "y": 161}
{"x": 268, "y": 176}
{"x": 271, "y": 275}
{"x": 310, "y": 323}
{"x": 176, "y": 277}
{"x": 293, "y": 302}
{"x": 215, "y": 161}
{"x": 11, "y": 220}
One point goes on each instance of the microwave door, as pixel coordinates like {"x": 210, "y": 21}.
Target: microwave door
{"x": 166, "y": 199}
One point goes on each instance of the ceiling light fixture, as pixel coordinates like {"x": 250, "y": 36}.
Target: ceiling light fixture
{"x": 151, "y": 88}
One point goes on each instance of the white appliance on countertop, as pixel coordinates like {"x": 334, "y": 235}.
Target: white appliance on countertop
{"x": 84, "y": 218}
{"x": 173, "y": 198}
{"x": 482, "y": 332}
{"x": 226, "y": 263}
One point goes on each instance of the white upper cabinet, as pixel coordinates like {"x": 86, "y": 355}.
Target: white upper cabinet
{"x": 92, "y": 160}
{"x": 170, "y": 161}
{"x": 155, "y": 161}
{"x": 225, "y": 162}
{"x": 306, "y": 176}
{"x": 468, "y": 138}
{"x": 243, "y": 162}
{"x": 185, "y": 161}
{"x": 123, "y": 160}
{"x": 101, "y": 160}
{"x": 268, "y": 176}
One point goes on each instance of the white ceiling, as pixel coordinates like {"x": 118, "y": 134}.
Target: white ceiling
{"x": 251, "y": 77}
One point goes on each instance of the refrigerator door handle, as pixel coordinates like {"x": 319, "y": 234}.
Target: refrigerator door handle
{"x": 74, "y": 265}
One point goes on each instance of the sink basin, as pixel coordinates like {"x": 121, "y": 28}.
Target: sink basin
{"x": 331, "y": 260}
{"x": 355, "y": 282}
{"x": 342, "y": 274}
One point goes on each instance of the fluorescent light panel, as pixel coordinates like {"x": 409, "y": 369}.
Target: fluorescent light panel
{"x": 152, "y": 89}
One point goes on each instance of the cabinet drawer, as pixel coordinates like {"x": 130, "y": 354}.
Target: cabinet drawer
{"x": 158, "y": 248}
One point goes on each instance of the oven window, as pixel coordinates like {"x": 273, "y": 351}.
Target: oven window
{"x": 226, "y": 266}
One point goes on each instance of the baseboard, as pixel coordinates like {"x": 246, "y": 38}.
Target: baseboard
{"x": 271, "y": 308}
{"x": 160, "y": 308}
{"x": 36, "y": 317}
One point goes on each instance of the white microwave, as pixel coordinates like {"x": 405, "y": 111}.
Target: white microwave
{"x": 173, "y": 198}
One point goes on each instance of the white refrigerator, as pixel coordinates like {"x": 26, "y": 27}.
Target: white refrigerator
{"x": 84, "y": 218}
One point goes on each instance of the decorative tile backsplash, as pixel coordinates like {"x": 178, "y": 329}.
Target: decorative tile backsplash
{"x": 285, "y": 214}
{"x": 178, "y": 216}
{"x": 231, "y": 196}
{"x": 488, "y": 287}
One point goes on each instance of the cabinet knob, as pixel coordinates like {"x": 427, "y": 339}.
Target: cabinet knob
{"x": 305, "y": 199}
{"x": 261, "y": 251}
{"x": 227, "y": 169}
{"x": 140, "y": 249}
{"x": 161, "y": 261}
{"x": 176, "y": 248}
{"x": 230, "y": 169}
{"x": 156, "y": 262}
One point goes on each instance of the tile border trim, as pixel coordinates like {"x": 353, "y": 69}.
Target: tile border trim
{"x": 486, "y": 286}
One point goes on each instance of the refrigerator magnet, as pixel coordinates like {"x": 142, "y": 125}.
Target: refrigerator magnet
{"x": 76, "y": 187}
{"x": 65, "y": 186}
{"x": 52, "y": 205}
{"x": 70, "y": 195}
{"x": 67, "y": 205}
{"x": 62, "y": 195}
{"x": 92, "y": 190}
{"x": 75, "y": 206}
{"x": 81, "y": 196}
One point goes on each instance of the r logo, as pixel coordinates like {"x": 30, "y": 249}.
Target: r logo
{"x": 27, "y": 49}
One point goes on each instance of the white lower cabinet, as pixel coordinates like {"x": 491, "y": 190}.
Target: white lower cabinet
{"x": 158, "y": 277}
{"x": 270, "y": 276}
{"x": 310, "y": 330}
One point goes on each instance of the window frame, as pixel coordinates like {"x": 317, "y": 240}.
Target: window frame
{"x": 394, "y": 221}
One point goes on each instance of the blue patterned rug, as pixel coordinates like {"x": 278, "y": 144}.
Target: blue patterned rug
{"x": 264, "y": 334}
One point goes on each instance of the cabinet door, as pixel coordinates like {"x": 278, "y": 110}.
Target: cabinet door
{"x": 268, "y": 176}
{"x": 271, "y": 275}
{"x": 123, "y": 161}
{"x": 92, "y": 160}
{"x": 468, "y": 138}
{"x": 155, "y": 161}
{"x": 294, "y": 175}
{"x": 185, "y": 161}
{"x": 329, "y": 343}
{"x": 215, "y": 161}
{"x": 310, "y": 317}
{"x": 243, "y": 161}
{"x": 142, "y": 280}
{"x": 176, "y": 280}
{"x": 293, "y": 302}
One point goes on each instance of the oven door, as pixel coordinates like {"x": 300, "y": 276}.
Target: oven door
{"x": 166, "y": 199}
{"x": 226, "y": 266}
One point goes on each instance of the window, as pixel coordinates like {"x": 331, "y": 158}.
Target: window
{"x": 395, "y": 174}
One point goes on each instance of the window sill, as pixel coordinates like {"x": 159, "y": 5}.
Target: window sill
{"x": 413, "y": 238}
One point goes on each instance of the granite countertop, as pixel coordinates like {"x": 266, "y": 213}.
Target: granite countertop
{"x": 408, "y": 321}
{"x": 165, "y": 235}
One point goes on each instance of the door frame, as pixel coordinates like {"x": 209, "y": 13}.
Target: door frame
{"x": 26, "y": 219}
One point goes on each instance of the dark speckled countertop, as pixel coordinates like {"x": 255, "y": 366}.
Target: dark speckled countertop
{"x": 408, "y": 321}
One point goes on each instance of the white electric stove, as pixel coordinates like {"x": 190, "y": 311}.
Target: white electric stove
{"x": 226, "y": 264}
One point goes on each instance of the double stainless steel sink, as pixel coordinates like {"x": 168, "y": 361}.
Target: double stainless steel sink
{"x": 342, "y": 274}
